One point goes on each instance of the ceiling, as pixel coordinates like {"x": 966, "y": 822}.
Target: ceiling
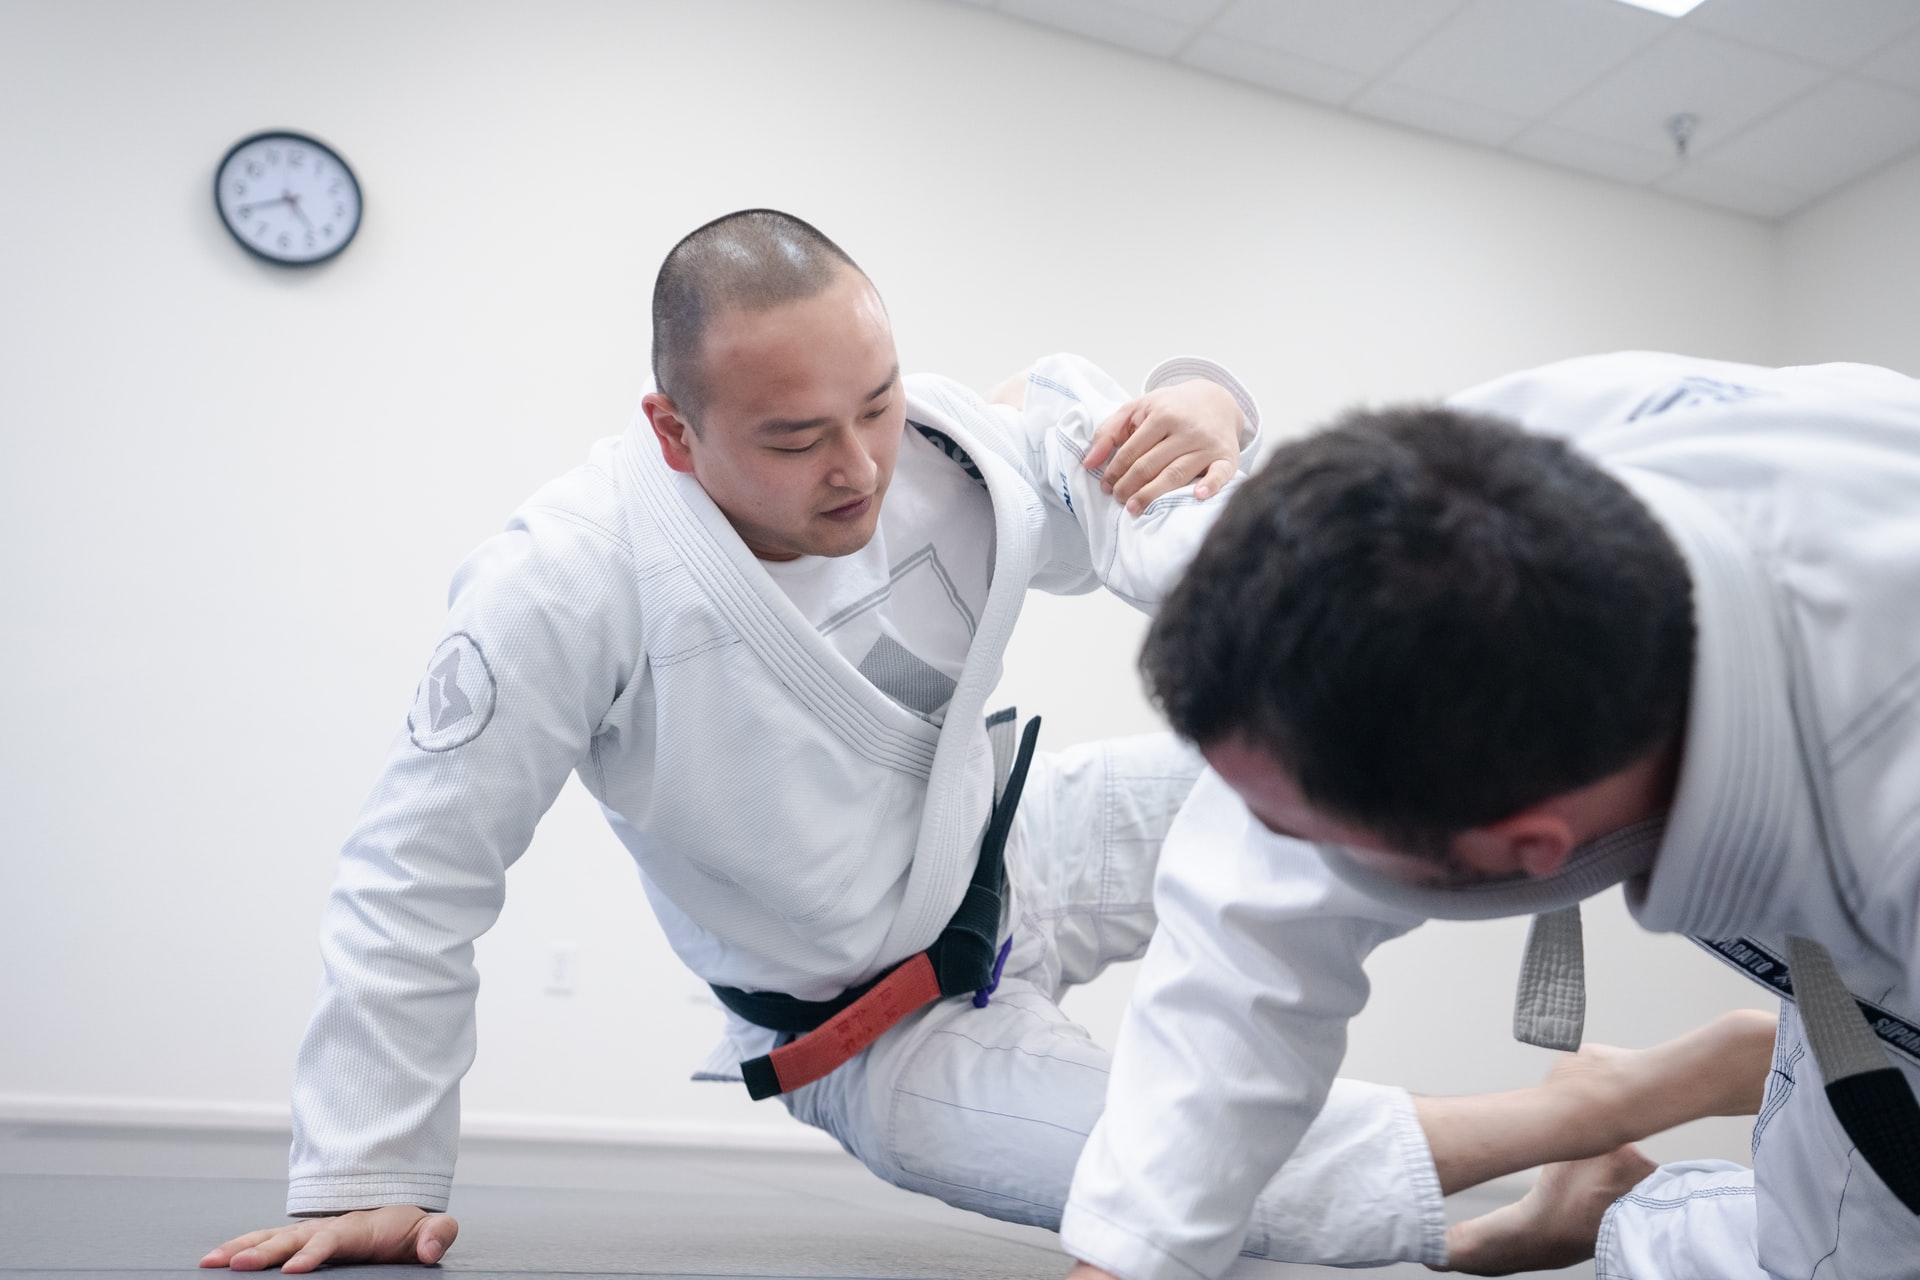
{"x": 1793, "y": 98}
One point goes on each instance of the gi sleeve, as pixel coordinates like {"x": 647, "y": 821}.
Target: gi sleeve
{"x": 542, "y": 633}
{"x": 1093, "y": 541}
{"x": 1237, "y": 1027}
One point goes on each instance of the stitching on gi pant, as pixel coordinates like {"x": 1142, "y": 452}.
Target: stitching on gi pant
{"x": 982, "y": 1111}
{"x": 1050, "y": 1207}
{"x": 1603, "y": 1244}
{"x": 1665, "y": 1203}
{"x": 1780, "y": 1096}
{"x": 1014, "y": 1048}
{"x": 892, "y": 1135}
{"x": 1117, "y": 909}
{"x": 1838, "y": 1209}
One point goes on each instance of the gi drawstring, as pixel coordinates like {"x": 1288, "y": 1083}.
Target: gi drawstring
{"x": 985, "y": 993}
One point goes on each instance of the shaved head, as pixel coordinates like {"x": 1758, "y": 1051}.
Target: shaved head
{"x": 753, "y": 260}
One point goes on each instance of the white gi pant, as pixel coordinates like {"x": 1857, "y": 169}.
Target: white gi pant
{"x": 987, "y": 1109}
{"x": 1816, "y": 1211}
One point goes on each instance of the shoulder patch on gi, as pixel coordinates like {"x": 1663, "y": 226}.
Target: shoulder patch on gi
{"x": 455, "y": 702}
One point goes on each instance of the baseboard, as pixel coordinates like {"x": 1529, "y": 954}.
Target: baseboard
{"x": 265, "y": 1117}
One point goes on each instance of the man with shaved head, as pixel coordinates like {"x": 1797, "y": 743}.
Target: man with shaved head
{"x": 762, "y": 627}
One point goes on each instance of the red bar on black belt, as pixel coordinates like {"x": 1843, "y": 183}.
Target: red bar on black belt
{"x": 842, "y": 1037}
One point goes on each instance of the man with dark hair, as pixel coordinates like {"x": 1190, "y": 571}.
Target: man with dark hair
{"x": 1635, "y": 619}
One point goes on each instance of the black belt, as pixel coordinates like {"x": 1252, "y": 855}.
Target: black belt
{"x": 965, "y": 958}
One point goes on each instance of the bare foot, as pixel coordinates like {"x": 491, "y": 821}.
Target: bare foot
{"x": 1554, "y": 1224}
{"x": 1719, "y": 1069}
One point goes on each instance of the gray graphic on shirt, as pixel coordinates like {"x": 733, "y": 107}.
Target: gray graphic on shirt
{"x": 894, "y": 671}
{"x": 874, "y": 599}
{"x": 455, "y": 702}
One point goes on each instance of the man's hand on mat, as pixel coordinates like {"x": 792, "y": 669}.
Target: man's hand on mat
{"x": 1087, "y": 1271}
{"x": 1188, "y": 433}
{"x": 396, "y": 1233}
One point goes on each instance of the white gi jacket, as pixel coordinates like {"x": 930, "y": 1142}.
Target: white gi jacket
{"x": 1794, "y": 497}
{"x": 796, "y": 830}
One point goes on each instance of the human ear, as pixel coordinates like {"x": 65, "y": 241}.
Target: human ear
{"x": 1534, "y": 842}
{"x": 673, "y": 431}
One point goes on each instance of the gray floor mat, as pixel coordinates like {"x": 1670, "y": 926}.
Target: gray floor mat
{"x": 79, "y": 1201}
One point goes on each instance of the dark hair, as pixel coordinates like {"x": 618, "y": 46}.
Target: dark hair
{"x": 753, "y": 259}
{"x": 1432, "y": 620}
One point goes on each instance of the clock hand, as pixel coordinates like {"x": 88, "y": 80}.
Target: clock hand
{"x": 246, "y": 210}
{"x": 298, "y": 211}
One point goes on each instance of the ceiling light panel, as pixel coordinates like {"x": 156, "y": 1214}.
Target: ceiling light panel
{"x": 1672, "y": 8}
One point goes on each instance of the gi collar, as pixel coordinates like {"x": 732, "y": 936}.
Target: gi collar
{"x": 1743, "y": 803}
{"x": 1591, "y": 868}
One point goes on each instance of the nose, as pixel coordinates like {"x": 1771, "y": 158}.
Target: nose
{"x": 853, "y": 465}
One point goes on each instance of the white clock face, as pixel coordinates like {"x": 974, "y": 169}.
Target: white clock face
{"x": 287, "y": 198}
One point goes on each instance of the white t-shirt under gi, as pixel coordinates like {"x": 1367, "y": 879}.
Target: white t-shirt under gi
{"x": 903, "y": 608}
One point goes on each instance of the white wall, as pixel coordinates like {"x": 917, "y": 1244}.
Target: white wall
{"x": 1850, "y": 274}
{"x": 231, "y": 495}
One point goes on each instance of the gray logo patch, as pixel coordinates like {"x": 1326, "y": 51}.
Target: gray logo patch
{"x": 455, "y": 702}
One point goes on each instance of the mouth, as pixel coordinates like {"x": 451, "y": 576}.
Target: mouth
{"x": 851, "y": 511}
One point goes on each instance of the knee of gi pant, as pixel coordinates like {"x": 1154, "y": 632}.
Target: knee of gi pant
{"x": 988, "y": 1109}
{"x": 1694, "y": 1218}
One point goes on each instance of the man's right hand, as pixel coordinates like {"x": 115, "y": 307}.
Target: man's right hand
{"x": 396, "y": 1233}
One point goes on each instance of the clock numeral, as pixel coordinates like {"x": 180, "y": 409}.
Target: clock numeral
{"x": 285, "y": 241}
{"x": 260, "y": 230}
{"x": 326, "y": 229}
{"x": 296, "y": 158}
{"x": 240, "y": 188}
{"x": 309, "y": 239}
{"x": 340, "y": 210}
{"x": 273, "y": 155}
{"x": 333, "y": 188}
{"x": 254, "y": 169}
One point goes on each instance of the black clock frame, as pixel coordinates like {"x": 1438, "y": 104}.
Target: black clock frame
{"x": 304, "y": 139}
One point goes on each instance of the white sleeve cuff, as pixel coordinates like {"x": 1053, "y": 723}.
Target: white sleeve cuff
{"x": 1180, "y": 369}
{"x": 321, "y": 1195}
{"x": 1089, "y": 1237}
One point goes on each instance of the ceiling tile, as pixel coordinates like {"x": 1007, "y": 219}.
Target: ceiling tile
{"x": 1366, "y": 38}
{"x": 1105, "y": 20}
{"x": 1727, "y": 85}
{"x": 1702, "y": 182}
{"x": 1526, "y": 57}
{"x": 1837, "y": 33}
{"x": 1464, "y": 120}
{"x": 1830, "y": 137}
{"x": 1899, "y": 64}
{"x": 1193, "y": 13}
{"x": 1603, "y": 157}
{"x": 1272, "y": 70}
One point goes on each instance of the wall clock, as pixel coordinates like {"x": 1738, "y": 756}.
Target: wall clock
{"x": 287, "y": 198}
